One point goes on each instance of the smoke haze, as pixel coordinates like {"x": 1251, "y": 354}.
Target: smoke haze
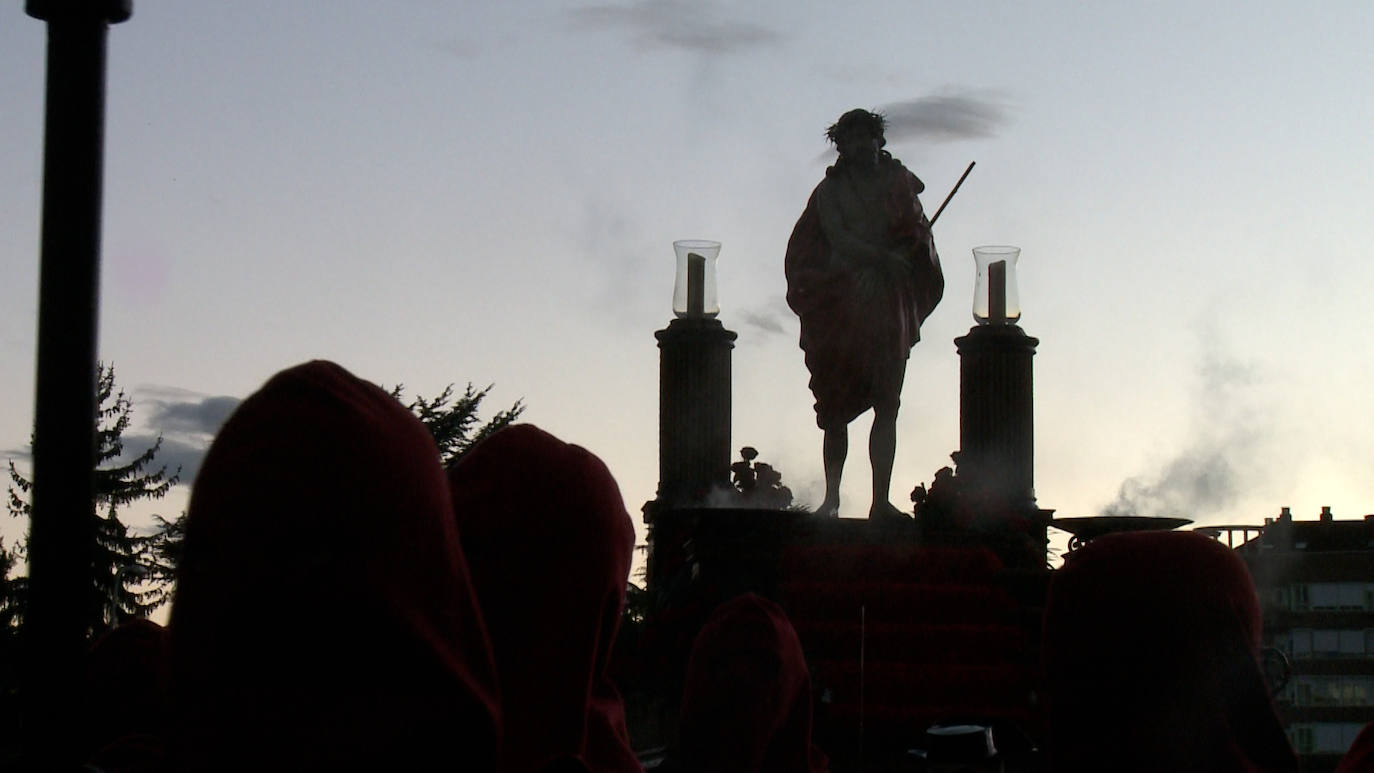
{"x": 1226, "y": 454}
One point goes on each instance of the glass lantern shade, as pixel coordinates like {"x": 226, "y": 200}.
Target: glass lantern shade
{"x": 995, "y": 300}
{"x": 694, "y": 292}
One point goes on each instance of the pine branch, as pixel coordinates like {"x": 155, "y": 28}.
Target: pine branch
{"x": 451, "y": 418}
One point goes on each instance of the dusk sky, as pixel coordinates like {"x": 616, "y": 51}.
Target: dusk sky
{"x": 436, "y": 192}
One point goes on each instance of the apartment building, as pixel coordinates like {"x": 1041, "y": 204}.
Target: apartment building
{"x": 1316, "y": 584}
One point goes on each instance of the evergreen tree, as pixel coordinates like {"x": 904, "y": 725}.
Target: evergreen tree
{"x": 127, "y": 583}
{"x": 161, "y": 553}
{"x": 451, "y": 419}
{"x": 12, "y": 590}
{"x": 12, "y": 594}
{"x": 11, "y": 662}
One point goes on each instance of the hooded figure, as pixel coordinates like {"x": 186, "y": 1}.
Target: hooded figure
{"x": 747, "y": 704}
{"x": 126, "y": 698}
{"x": 549, "y": 543}
{"x": 1152, "y": 660}
{"x": 324, "y": 618}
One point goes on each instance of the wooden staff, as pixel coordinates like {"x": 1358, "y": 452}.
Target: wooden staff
{"x": 951, "y": 193}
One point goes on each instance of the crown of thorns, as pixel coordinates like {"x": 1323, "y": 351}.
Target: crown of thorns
{"x": 874, "y": 123}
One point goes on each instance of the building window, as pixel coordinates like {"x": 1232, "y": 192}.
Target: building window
{"x": 1302, "y": 693}
{"x": 1302, "y": 642}
{"x": 1352, "y": 643}
{"x": 1334, "y": 737}
{"x": 1337, "y": 595}
{"x": 1297, "y": 598}
{"x": 1301, "y": 736}
{"x": 1344, "y": 691}
{"x": 1358, "y": 691}
{"x": 1325, "y": 642}
{"x": 1323, "y": 737}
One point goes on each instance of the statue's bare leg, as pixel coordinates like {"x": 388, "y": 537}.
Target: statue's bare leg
{"x": 834, "y": 449}
{"x": 882, "y": 446}
{"x": 882, "y": 450}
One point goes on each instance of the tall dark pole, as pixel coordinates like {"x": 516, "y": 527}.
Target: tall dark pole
{"x": 61, "y": 530}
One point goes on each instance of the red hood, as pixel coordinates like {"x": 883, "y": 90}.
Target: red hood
{"x": 324, "y": 614}
{"x": 549, "y": 543}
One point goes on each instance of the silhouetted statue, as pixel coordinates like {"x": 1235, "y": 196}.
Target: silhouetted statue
{"x": 863, "y": 274}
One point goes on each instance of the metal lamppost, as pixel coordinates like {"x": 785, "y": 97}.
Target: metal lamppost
{"x": 61, "y": 531}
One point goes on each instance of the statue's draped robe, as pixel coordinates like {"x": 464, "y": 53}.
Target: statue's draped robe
{"x": 860, "y": 317}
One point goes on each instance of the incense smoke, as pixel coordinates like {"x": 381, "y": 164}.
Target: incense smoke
{"x": 1225, "y": 457}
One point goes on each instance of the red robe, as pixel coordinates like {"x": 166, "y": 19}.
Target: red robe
{"x": 324, "y": 618}
{"x": 859, "y": 319}
{"x": 746, "y": 707}
{"x": 1151, "y": 660}
{"x": 549, "y": 543}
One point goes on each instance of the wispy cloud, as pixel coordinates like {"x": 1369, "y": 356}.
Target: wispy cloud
{"x": 773, "y": 317}
{"x": 950, "y": 115}
{"x": 766, "y": 321}
{"x": 203, "y": 416}
{"x": 699, "y": 27}
{"x": 186, "y": 421}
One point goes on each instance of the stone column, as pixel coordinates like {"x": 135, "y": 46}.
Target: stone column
{"x": 996, "y": 416}
{"x": 693, "y": 410}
